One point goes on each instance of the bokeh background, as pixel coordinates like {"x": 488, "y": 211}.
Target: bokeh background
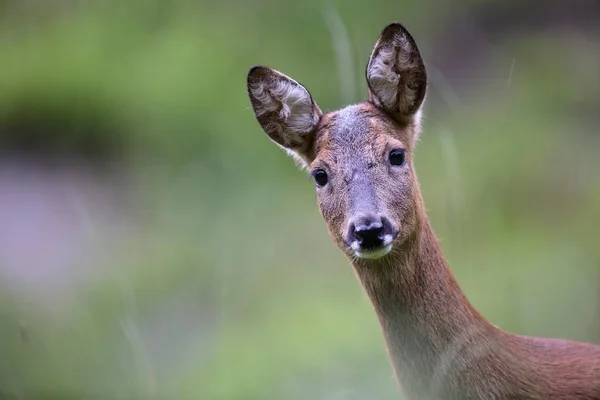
{"x": 155, "y": 245}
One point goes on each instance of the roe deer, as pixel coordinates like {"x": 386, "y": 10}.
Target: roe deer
{"x": 361, "y": 158}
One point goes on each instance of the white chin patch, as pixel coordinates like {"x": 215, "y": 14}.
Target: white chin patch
{"x": 374, "y": 254}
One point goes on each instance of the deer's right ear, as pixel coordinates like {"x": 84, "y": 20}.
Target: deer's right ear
{"x": 285, "y": 110}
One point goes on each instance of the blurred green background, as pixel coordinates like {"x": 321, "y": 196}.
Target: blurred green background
{"x": 155, "y": 245}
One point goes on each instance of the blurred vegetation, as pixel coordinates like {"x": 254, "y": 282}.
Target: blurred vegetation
{"x": 217, "y": 279}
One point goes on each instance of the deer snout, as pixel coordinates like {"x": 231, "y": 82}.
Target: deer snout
{"x": 370, "y": 234}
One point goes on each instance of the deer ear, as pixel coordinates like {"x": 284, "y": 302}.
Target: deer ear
{"x": 396, "y": 74}
{"x": 285, "y": 110}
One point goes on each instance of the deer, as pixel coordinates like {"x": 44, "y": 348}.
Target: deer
{"x": 361, "y": 160}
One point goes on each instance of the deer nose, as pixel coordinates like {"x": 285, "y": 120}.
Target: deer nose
{"x": 367, "y": 231}
{"x": 370, "y": 236}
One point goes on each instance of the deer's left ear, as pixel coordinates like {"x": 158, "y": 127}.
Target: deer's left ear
{"x": 396, "y": 74}
{"x": 285, "y": 110}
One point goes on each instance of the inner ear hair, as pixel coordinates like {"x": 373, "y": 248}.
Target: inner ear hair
{"x": 284, "y": 109}
{"x": 396, "y": 73}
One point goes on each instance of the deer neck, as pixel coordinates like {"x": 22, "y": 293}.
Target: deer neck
{"x": 427, "y": 322}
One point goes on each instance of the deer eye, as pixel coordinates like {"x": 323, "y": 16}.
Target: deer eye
{"x": 320, "y": 177}
{"x": 397, "y": 157}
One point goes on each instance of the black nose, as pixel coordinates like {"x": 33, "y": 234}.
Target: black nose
{"x": 369, "y": 236}
{"x": 368, "y": 231}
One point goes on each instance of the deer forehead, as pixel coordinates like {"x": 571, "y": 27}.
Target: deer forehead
{"x": 356, "y": 134}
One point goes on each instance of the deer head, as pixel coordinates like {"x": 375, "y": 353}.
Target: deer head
{"x": 361, "y": 156}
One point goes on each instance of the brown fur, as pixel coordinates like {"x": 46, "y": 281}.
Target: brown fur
{"x": 439, "y": 345}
